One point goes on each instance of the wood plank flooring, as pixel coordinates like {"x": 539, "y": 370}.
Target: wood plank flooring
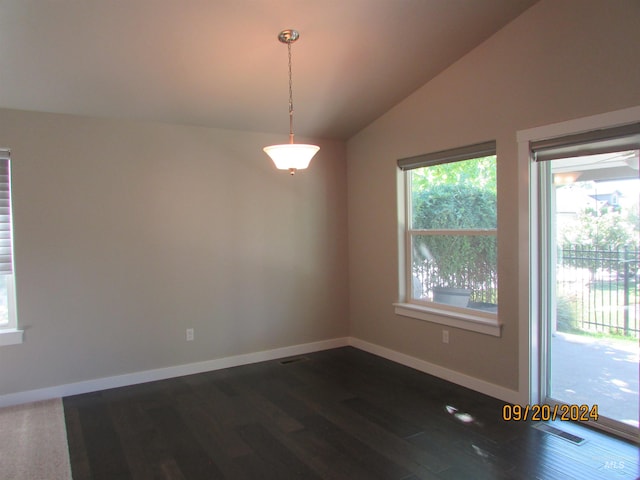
{"x": 337, "y": 414}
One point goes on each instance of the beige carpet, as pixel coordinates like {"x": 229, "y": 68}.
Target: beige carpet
{"x": 34, "y": 442}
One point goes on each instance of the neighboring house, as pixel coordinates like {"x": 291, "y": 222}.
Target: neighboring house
{"x": 607, "y": 199}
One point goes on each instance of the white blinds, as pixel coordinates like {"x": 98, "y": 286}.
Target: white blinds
{"x": 6, "y": 262}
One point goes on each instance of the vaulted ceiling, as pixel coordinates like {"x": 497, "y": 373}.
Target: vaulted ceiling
{"x": 218, "y": 63}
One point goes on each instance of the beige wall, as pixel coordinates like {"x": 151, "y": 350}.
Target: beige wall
{"x": 128, "y": 233}
{"x": 560, "y": 60}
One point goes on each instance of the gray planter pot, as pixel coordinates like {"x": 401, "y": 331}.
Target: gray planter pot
{"x": 458, "y": 297}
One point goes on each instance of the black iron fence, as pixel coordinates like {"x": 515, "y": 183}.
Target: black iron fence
{"x": 481, "y": 281}
{"x": 598, "y": 290}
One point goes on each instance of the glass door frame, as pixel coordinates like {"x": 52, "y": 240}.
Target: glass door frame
{"x": 533, "y": 300}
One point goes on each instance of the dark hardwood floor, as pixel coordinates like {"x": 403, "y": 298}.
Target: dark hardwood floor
{"x": 337, "y": 414}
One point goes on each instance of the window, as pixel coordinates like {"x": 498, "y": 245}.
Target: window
{"x": 450, "y": 244}
{"x": 9, "y": 334}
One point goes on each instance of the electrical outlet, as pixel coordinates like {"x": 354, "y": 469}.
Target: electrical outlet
{"x": 445, "y": 336}
{"x": 189, "y": 334}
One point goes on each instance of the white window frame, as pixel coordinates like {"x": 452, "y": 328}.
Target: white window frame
{"x": 9, "y": 332}
{"x": 464, "y": 318}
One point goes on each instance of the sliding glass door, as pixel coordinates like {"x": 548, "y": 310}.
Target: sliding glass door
{"x": 589, "y": 283}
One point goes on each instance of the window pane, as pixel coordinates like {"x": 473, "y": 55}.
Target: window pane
{"x": 4, "y": 304}
{"x": 459, "y": 195}
{"x": 458, "y": 270}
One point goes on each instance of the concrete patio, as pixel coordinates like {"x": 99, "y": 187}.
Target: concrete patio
{"x": 588, "y": 370}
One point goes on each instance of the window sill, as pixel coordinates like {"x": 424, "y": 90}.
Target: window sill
{"x": 464, "y": 319}
{"x": 11, "y": 336}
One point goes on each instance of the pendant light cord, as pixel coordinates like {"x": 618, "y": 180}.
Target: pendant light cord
{"x": 290, "y": 96}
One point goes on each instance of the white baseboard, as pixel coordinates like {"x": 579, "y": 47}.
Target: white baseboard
{"x": 495, "y": 391}
{"x": 168, "y": 372}
{"x": 87, "y": 386}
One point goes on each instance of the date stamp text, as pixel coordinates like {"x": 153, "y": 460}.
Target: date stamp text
{"x": 547, "y": 412}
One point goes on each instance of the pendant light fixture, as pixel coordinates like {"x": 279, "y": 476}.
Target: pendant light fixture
{"x": 291, "y": 156}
